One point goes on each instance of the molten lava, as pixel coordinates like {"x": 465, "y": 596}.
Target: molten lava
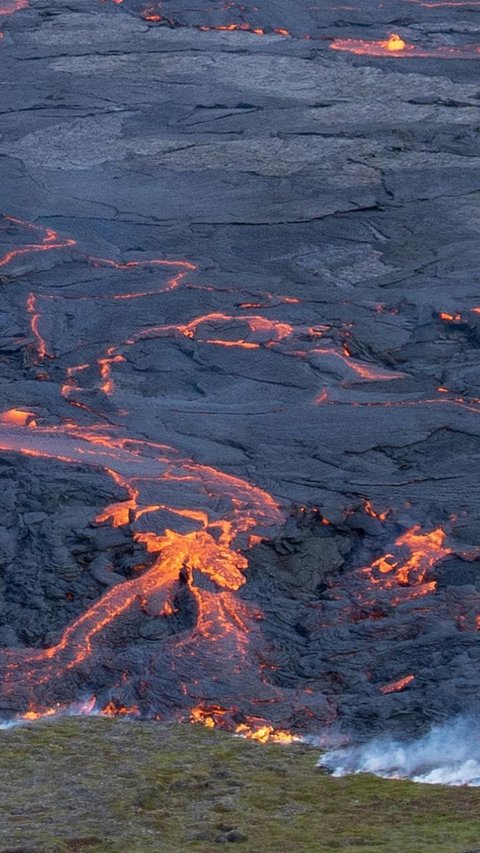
{"x": 404, "y": 571}
{"x": 397, "y": 685}
{"x": 177, "y": 558}
{"x": 394, "y": 43}
{"x": 8, "y": 7}
{"x": 49, "y": 241}
{"x": 395, "y": 46}
{"x": 18, "y": 417}
{"x": 153, "y": 13}
{"x": 266, "y": 734}
{"x": 451, "y": 318}
{"x": 192, "y": 523}
{"x": 369, "y": 509}
{"x": 258, "y": 730}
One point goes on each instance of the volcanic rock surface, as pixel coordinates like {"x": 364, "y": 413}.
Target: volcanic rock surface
{"x": 239, "y": 377}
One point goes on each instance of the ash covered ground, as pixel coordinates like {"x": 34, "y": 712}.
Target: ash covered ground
{"x": 239, "y": 377}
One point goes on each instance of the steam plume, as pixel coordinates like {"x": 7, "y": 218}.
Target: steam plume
{"x": 448, "y": 755}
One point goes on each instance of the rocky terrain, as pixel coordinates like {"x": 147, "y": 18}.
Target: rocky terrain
{"x": 239, "y": 379}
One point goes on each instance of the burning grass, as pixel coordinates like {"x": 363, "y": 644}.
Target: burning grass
{"x": 103, "y": 786}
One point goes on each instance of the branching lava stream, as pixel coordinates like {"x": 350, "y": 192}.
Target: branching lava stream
{"x": 193, "y": 522}
{"x": 207, "y": 545}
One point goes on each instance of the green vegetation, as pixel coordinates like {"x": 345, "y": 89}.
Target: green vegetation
{"x": 117, "y": 786}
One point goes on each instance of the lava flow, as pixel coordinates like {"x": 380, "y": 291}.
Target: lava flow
{"x": 193, "y": 555}
{"x": 8, "y": 7}
{"x": 397, "y": 685}
{"x": 178, "y": 559}
{"x": 180, "y": 632}
{"x": 395, "y": 46}
{"x": 153, "y": 13}
{"x": 404, "y": 572}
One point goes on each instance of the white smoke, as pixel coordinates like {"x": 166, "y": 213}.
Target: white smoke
{"x": 87, "y": 708}
{"x": 448, "y": 755}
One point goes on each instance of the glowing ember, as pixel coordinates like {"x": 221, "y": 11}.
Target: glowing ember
{"x": 450, "y": 318}
{"x": 398, "y": 685}
{"x": 113, "y": 709}
{"x": 369, "y": 509}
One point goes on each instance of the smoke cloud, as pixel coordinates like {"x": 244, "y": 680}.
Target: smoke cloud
{"x": 448, "y": 755}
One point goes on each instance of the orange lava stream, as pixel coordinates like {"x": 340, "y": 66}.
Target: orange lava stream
{"x": 473, "y": 405}
{"x": 105, "y": 365}
{"x": 406, "y": 571}
{"x": 364, "y": 371}
{"x": 35, "y": 316}
{"x": 248, "y": 28}
{"x": 395, "y": 46}
{"x": 274, "y": 330}
{"x": 50, "y": 241}
{"x": 270, "y": 332}
{"x": 209, "y": 549}
{"x": 184, "y": 266}
{"x": 266, "y": 734}
{"x": 222, "y": 516}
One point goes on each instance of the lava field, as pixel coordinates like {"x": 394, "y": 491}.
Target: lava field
{"x": 239, "y": 363}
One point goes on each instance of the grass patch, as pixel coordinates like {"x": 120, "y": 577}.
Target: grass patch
{"x": 111, "y": 786}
